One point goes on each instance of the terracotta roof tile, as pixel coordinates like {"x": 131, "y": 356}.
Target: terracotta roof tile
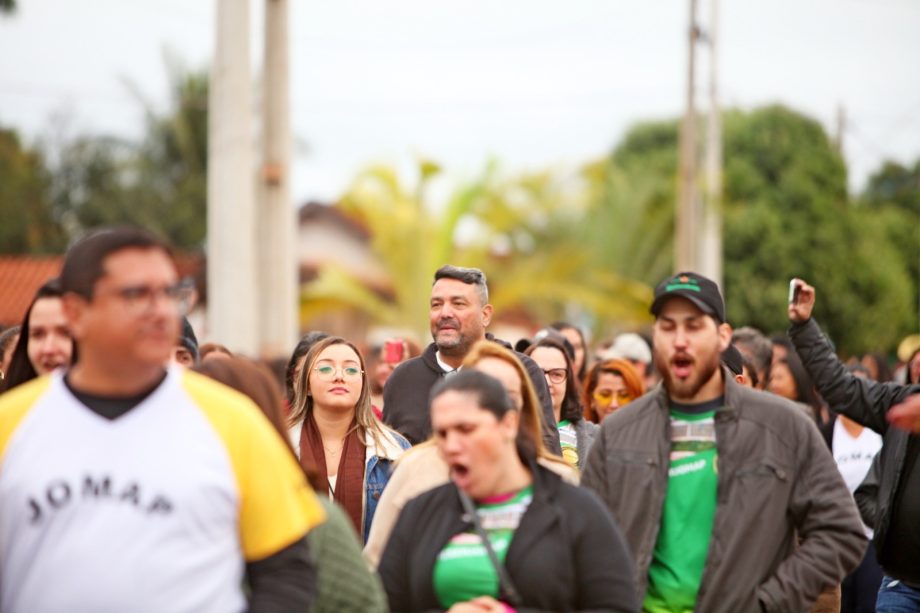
{"x": 20, "y": 278}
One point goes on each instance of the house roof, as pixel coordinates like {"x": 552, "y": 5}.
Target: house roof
{"x": 22, "y": 275}
{"x": 20, "y": 278}
{"x": 313, "y": 211}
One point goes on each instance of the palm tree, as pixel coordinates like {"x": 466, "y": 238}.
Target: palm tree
{"x": 528, "y": 234}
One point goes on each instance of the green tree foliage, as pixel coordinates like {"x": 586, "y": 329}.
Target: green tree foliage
{"x": 28, "y": 224}
{"x": 159, "y": 183}
{"x": 786, "y": 214}
{"x": 522, "y": 231}
{"x": 892, "y": 199}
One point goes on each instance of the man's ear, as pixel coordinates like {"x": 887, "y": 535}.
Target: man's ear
{"x": 725, "y": 337}
{"x": 486, "y": 315}
{"x": 74, "y": 307}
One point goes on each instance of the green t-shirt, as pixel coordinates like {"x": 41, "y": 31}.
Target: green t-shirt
{"x": 676, "y": 569}
{"x": 569, "y": 442}
{"x": 463, "y": 570}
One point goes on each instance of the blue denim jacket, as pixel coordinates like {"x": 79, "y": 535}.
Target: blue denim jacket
{"x": 377, "y": 468}
{"x": 378, "y": 464}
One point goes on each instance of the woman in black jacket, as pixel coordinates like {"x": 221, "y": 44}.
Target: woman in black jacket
{"x": 559, "y": 546}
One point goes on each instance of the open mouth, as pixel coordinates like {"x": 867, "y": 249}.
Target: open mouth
{"x": 681, "y": 366}
{"x": 460, "y": 474}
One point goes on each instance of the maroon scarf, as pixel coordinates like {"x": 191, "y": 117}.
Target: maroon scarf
{"x": 349, "y": 483}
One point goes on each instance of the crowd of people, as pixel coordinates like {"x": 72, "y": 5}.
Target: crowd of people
{"x": 702, "y": 468}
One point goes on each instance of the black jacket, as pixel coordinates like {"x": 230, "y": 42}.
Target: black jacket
{"x": 566, "y": 555}
{"x": 864, "y": 401}
{"x": 405, "y": 397}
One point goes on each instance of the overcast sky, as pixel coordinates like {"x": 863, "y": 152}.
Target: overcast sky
{"x": 530, "y": 83}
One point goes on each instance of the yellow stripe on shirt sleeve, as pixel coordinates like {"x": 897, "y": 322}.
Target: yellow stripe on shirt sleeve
{"x": 14, "y": 405}
{"x": 277, "y": 505}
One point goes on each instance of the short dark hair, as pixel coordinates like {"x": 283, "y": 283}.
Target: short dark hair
{"x": 752, "y": 372}
{"x": 470, "y": 276}
{"x": 491, "y": 396}
{"x": 753, "y": 344}
{"x": 83, "y": 261}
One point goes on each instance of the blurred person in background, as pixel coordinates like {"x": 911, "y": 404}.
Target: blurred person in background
{"x": 789, "y": 379}
{"x": 344, "y": 582}
{"x": 576, "y": 434}
{"x": 45, "y": 342}
{"x": 610, "y": 384}
{"x": 185, "y": 353}
{"x": 758, "y": 350}
{"x": 422, "y": 468}
{"x": 576, "y": 337}
{"x": 738, "y": 365}
{"x": 333, "y": 426}
{"x": 214, "y": 351}
{"x": 382, "y": 360}
{"x": 632, "y": 347}
{"x": 8, "y": 339}
{"x": 505, "y": 533}
{"x": 782, "y": 347}
{"x": 877, "y": 367}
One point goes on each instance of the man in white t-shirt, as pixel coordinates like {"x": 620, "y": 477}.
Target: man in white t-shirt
{"x": 129, "y": 486}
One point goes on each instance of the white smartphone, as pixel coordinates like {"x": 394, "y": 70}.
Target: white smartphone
{"x": 793, "y": 291}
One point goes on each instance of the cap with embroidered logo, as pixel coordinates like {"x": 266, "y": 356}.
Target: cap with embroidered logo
{"x": 699, "y": 290}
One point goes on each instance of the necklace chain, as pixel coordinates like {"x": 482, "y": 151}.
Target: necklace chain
{"x": 335, "y": 452}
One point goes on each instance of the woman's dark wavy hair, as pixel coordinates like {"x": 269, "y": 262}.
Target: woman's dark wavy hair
{"x": 571, "y": 408}
{"x": 804, "y": 387}
{"x": 491, "y": 396}
{"x": 21, "y": 369}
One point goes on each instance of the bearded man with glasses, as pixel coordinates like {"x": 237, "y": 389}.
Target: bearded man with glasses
{"x": 131, "y": 486}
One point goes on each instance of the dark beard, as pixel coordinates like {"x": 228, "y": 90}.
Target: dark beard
{"x": 682, "y": 390}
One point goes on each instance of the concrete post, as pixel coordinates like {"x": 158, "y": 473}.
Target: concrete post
{"x": 232, "y": 288}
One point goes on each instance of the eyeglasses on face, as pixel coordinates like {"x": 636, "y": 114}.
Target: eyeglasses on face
{"x": 605, "y": 397}
{"x": 555, "y": 375}
{"x": 327, "y": 372}
{"x": 139, "y": 299}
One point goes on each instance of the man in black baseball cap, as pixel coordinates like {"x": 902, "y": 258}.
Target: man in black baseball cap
{"x": 734, "y": 502}
{"x": 699, "y": 290}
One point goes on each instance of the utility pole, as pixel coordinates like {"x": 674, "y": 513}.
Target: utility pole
{"x": 685, "y": 232}
{"x": 276, "y": 221}
{"x": 711, "y": 241}
{"x": 840, "y": 128}
{"x": 232, "y": 288}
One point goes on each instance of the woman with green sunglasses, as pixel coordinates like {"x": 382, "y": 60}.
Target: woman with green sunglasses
{"x": 332, "y": 425}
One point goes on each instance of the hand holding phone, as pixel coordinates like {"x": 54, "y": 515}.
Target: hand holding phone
{"x": 801, "y": 301}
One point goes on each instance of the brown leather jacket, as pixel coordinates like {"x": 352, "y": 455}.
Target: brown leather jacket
{"x": 777, "y": 482}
